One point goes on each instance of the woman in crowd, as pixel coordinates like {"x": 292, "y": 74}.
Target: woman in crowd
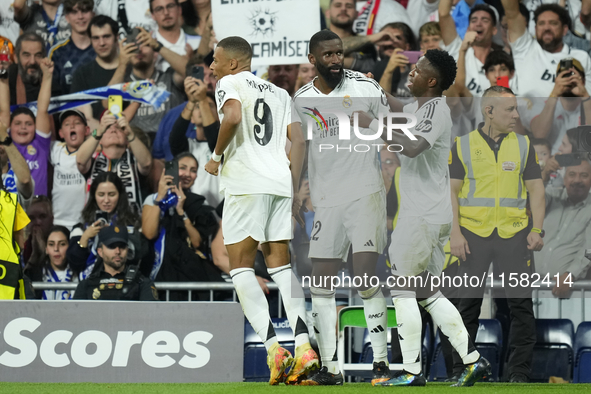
{"x": 107, "y": 204}
{"x": 181, "y": 225}
{"x": 54, "y": 267}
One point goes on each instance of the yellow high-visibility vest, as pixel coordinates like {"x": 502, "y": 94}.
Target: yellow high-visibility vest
{"x": 493, "y": 194}
{"x": 11, "y": 278}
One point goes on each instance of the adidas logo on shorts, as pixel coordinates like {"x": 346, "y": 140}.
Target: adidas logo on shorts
{"x": 369, "y": 243}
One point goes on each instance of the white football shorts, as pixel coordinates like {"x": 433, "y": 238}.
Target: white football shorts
{"x": 417, "y": 246}
{"x": 360, "y": 224}
{"x": 263, "y": 217}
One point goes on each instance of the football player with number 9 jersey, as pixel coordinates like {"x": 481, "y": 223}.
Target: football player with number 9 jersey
{"x": 257, "y": 182}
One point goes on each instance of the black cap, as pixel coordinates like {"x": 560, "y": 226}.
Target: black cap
{"x": 76, "y": 112}
{"x": 113, "y": 234}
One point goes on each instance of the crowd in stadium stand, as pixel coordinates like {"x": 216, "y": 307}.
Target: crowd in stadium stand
{"x": 86, "y": 168}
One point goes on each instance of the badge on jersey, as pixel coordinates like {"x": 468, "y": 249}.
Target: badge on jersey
{"x": 424, "y": 126}
{"x": 347, "y": 102}
{"x": 221, "y": 95}
{"x": 509, "y": 166}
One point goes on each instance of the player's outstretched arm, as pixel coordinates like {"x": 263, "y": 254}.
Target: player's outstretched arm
{"x": 232, "y": 111}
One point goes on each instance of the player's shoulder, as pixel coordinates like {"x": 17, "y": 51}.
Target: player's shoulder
{"x": 434, "y": 107}
{"x": 305, "y": 90}
{"x": 361, "y": 81}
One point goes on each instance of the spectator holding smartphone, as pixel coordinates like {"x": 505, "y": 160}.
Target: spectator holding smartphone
{"x": 107, "y": 205}
{"x": 174, "y": 215}
{"x": 567, "y": 107}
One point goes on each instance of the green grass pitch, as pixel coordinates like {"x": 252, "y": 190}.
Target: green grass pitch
{"x": 247, "y": 388}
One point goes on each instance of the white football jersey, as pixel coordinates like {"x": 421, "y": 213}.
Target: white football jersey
{"x": 346, "y": 172}
{"x": 255, "y": 161}
{"x": 424, "y": 180}
{"x": 69, "y": 186}
{"x": 476, "y": 80}
{"x": 536, "y": 68}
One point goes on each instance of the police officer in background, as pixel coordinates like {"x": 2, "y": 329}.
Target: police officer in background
{"x": 115, "y": 281}
{"x": 492, "y": 169}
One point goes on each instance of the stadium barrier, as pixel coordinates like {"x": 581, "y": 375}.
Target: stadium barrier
{"x": 121, "y": 342}
{"x": 582, "y": 289}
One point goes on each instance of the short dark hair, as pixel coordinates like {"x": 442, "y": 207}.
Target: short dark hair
{"x": 485, "y": 8}
{"x": 102, "y": 20}
{"x": 493, "y": 90}
{"x": 541, "y": 141}
{"x": 445, "y": 65}
{"x": 84, "y": 5}
{"x": 236, "y": 45}
{"x": 321, "y": 36}
{"x": 409, "y": 36}
{"x": 196, "y": 59}
{"x": 60, "y": 229}
{"x": 498, "y": 57}
{"x": 29, "y": 37}
{"x": 151, "y": 8}
{"x": 22, "y": 111}
{"x": 555, "y": 8}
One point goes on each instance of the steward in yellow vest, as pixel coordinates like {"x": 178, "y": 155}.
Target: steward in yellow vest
{"x": 492, "y": 169}
{"x": 13, "y": 220}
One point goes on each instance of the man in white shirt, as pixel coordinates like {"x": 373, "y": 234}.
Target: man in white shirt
{"x": 536, "y": 59}
{"x": 424, "y": 226}
{"x": 255, "y": 118}
{"x": 483, "y": 21}
{"x": 349, "y": 199}
{"x": 167, "y": 13}
{"x": 69, "y": 185}
{"x": 553, "y": 116}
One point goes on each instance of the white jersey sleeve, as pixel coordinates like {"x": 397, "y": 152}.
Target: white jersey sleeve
{"x": 224, "y": 91}
{"x": 522, "y": 45}
{"x": 427, "y": 118}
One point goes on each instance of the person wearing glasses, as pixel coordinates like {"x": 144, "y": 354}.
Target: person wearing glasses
{"x": 169, "y": 33}
{"x": 115, "y": 280}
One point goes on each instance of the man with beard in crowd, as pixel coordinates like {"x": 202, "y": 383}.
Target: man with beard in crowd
{"x": 285, "y": 76}
{"x": 25, "y": 76}
{"x": 360, "y": 53}
{"x": 536, "y": 59}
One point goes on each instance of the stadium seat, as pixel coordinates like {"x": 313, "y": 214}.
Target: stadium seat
{"x": 437, "y": 371}
{"x": 353, "y": 316}
{"x": 489, "y": 342}
{"x": 553, "y": 352}
{"x": 582, "y": 351}
{"x": 255, "y": 354}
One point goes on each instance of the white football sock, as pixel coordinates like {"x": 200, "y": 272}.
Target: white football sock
{"x": 376, "y": 316}
{"x": 254, "y": 304}
{"x": 324, "y": 310}
{"x": 410, "y": 325}
{"x": 293, "y": 301}
{"x": 448, "y": 319}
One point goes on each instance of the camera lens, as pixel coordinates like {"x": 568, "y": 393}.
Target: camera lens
{"x": 586, "y": 139}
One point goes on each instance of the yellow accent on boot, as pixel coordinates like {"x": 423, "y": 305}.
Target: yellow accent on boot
{"x": 304, "y": 364}
{"x": 278, "y": 360}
